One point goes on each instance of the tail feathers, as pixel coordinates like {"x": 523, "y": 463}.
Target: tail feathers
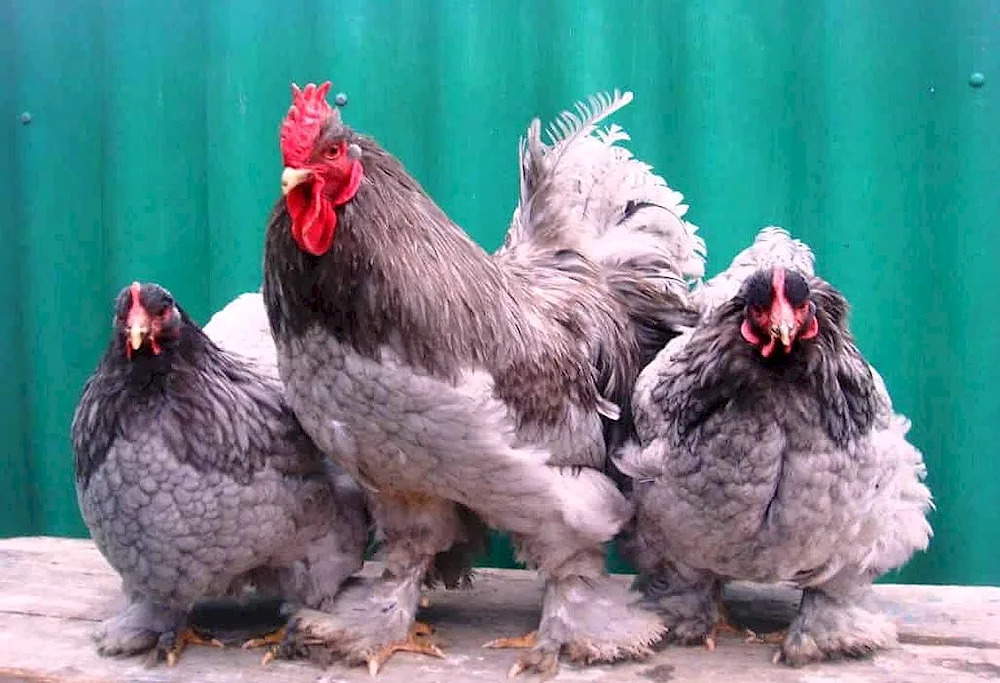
{"x": 904, "y": 503}
{"x": 772, "y": 246}
{"x": 655, "y": 317}
{"x": 588, "y": 193}
{"x": 657, "y": 314}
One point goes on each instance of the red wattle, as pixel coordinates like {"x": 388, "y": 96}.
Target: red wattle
{"x": 748, "y": 333}
{"x": 318, "y": 234}
{"x": 314, "y": 216}
{"x": 314, "y": 220}
{"x": 811, "y": 330}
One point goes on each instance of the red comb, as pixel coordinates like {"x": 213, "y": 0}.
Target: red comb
{"x": 134, "y": 289}
{"x": 136, "y": 311}
{"x": 302, "y": 124}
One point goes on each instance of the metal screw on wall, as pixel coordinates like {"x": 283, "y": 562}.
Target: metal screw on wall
{"x": 25, "y": 118}
{"x": 977, "y": 79}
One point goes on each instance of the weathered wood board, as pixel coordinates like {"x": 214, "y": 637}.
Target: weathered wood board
{"x": 54, "y": 591}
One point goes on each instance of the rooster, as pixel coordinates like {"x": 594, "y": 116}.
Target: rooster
{"x": 466, "y": 389}
{"x": 195, "y": 479}
{"x": 768, "y": 451}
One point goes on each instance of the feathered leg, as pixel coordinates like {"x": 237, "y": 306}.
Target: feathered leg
{"x": 145, "y": 626}
{"x": 837, "y": 620}
{"x": 370, "y": 620}
{"x": 136, "y": 629}
{"x": 687, "y": 600}
{"x": 587, "y": 616}
{"x": 691, "y": 606}
{"x": 315, "y": 582}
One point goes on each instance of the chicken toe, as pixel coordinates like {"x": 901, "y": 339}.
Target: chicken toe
{"x": 172, "y": 643}
{"x": 528, "y": 640}
{"x": 272, "y": 638}
{"x": 721, "y": 625}
{"x": 772, "y": 638}
{"x": 369, "y": 621}
{"x": 543, "y": 661}
{"x": 413, "y": 643}
{"x": 589, "y": 620}
{"x": 724, "y": 624}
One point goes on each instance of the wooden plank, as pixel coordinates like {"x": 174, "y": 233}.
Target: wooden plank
{"x": 53, "y": 591}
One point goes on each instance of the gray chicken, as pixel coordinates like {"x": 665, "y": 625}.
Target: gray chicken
{"x": 464, "y": 388}
{"x": 196, "y": 481}
{"x": 768, "y": 451}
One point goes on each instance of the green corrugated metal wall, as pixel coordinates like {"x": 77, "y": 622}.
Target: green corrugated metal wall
{"x": 152, "y": 153}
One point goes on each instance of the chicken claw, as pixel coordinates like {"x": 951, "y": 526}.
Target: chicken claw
{"x": 171, "y": 644}
{"x": 274, "y": 639}
{"x": 411, "y": 644}
{"x": 544, "y": 662}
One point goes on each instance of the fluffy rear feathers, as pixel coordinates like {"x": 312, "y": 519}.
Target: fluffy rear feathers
{"x": 586, "y": 192}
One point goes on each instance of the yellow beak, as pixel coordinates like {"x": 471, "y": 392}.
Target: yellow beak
{"x": 136, "y": 333}
{"x": 785, "y": 334}
{"x": 293, "y": 177}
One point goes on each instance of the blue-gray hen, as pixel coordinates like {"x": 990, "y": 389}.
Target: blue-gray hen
{"x": 196, "y": 480}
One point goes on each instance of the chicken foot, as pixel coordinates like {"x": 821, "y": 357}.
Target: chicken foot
{"x": 836, "y": 621}
{"x": 723, "y": 624}
{"x": 589, "y": 619}
{"x": 172, "y": 643}
{"x": 146, "y": 626}
{"x": 411, "y": 644}
{"x": 369, "y": 621}
{"x": 136, "y": 629}
{"x": 689, "y": 603}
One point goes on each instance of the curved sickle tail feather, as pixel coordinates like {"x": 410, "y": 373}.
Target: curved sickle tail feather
{"x": 585, "y": 192}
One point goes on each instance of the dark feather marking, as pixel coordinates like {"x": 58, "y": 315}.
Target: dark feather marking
{"x": 828, "y": 370}
{"x": 632, "y": 207}
{"x": 213, "y": 411}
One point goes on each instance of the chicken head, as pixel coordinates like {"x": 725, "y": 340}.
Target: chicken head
{"x": 147, "y": 318}
{"x": 778, "y": 309}
{"x": 322, "y": 171}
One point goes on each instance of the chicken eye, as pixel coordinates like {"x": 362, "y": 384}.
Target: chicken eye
{"x": 336, "y": 151}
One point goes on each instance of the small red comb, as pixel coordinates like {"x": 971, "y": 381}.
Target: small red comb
{"x": 134, "y": 289}
{"x": 303, "y": 122}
